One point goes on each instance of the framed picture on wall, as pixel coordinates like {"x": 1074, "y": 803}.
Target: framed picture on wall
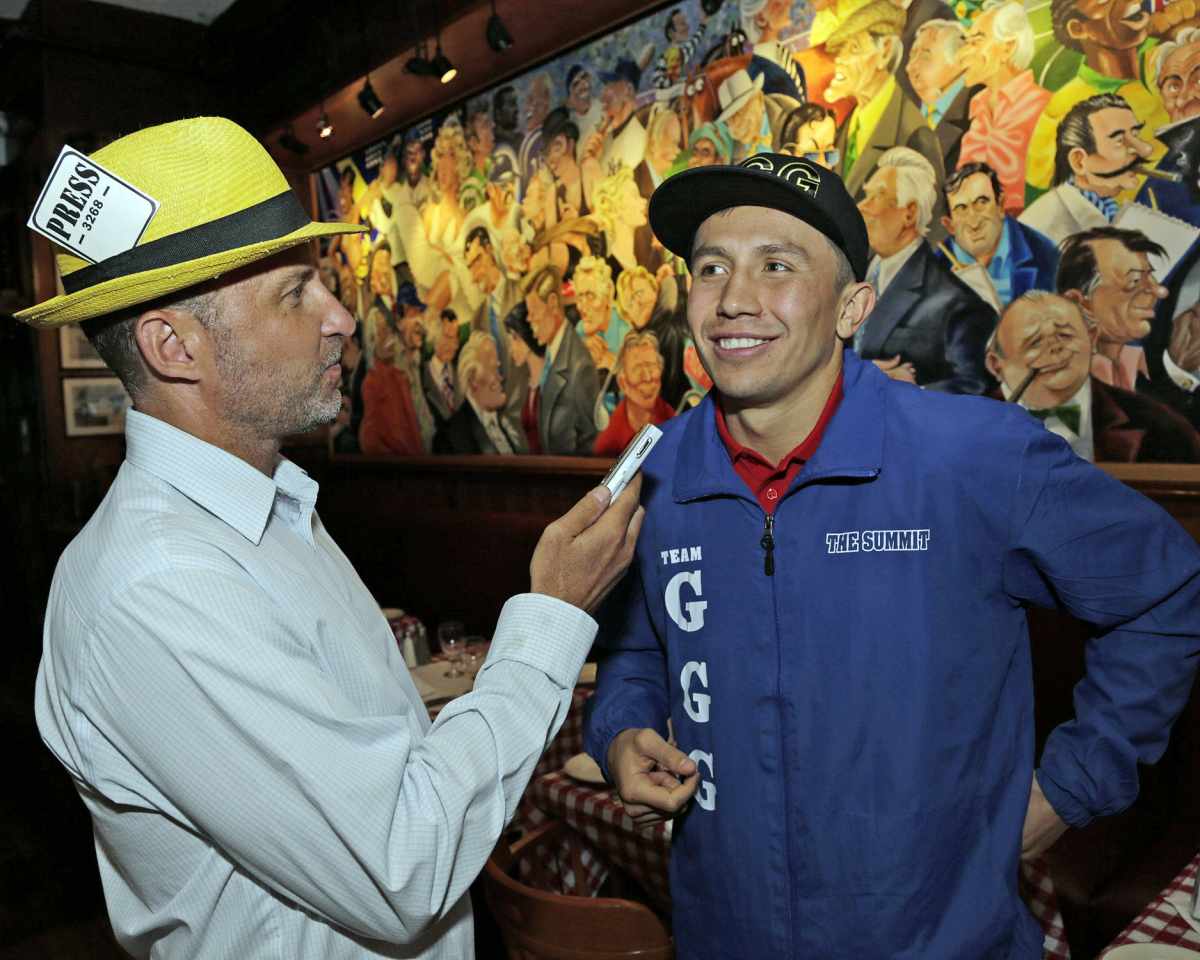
{"x": 75, "y": 351}
{"x": 94, "y": 405}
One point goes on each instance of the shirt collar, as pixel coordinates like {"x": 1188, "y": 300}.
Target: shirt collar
{"x": 998, "y": 265}
{"x": 224, "y": 485}
{"x": 869, "y": 116}
{"x": 938, "y": 108}
{"x": 801, "y": 453}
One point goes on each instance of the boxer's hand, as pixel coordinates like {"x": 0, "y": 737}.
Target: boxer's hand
{"x": 1042, "y": 825}
{"x": 581, "y": 555}
{"x": 654, "y": 779}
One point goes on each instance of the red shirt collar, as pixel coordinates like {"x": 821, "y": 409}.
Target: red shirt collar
{"x": 768, "y": 482}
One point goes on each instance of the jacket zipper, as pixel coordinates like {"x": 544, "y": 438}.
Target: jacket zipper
{"x": 768, "y": 544}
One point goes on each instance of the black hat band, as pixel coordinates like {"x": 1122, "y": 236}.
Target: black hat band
{"x": 268, "y": 220}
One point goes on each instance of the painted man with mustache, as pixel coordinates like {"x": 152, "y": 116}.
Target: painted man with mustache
{"x": 1048, "y": 333}
{"x": 1099, "y": 149}
{"x": 1114, "y": 38}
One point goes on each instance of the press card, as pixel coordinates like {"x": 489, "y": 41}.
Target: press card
{"x": 90, "y": 211}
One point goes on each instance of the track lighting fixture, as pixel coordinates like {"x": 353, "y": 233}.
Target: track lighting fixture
{"x": 498, "y": 37}
{"x": 369, "y": 100}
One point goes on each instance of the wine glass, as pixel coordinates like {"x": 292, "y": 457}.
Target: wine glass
{"x": 475, "y": 652}
{"x": 451, "y": 639}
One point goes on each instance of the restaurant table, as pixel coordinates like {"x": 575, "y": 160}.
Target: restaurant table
{"x": 1161, "y": 922}
{"x": 642, "y": 852}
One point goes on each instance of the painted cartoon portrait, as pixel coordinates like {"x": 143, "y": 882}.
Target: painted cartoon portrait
{"x": 1029, "y": 174}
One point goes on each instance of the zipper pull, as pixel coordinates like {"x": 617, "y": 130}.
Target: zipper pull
{"x": 768, "y": 544}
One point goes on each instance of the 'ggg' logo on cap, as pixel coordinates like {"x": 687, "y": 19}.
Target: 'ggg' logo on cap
{"x": 799, "y": 173}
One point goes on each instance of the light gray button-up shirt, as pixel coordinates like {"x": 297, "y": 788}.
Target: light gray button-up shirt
{"x": 263, "y": 778}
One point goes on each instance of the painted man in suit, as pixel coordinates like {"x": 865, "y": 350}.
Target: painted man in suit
{"x": 479, "y": 424}
{"x": 568, "y": 385}
{"x": 499, "y": 296}
{"x": 996, "y": 54}
{"x": 1098, "y": 150}
{"x": 928, "y": 327}
{"x": 1175, "y": 71}
{"x": 1016, "y": 257}
{"x": 443, "y": 391}
{"x": 868, "y": 50}
{"x": 1048, "y": 333}
{"x": 936, "y": 75}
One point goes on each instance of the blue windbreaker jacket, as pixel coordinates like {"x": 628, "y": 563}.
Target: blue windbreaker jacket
{"x": 863, "y": 717}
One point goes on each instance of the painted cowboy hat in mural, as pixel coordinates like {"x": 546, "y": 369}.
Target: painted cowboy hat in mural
{"x": 796, "y": 186}
{"x": 223, "y": 203}
{"x": 733, "y": 93}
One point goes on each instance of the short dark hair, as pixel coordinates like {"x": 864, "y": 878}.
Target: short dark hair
{"x": 558, "y": 122}
{"x": 481, "y": 234}
{"x": 517, "y": 323}
{"x": 449, "y": 314}
{"x": 1077, "y": 266}
{"x": 114, "y": 335}
{"x": 670, "y": 20}
{"x": 955, "y": 180}
{"x": 1075, "y": 130}
{"x": 1063, "y": 12}
{"x": 805, "y": 113}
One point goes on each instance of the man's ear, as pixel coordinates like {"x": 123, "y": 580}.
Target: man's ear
{"x": 1075, "y": 158}
{"x": 855, "y": 305}
{"x": 992, "y": 362}
{"x": 949, "y": 225}
{"x": 171, "y": 343}
{"x": 910, "y": 215}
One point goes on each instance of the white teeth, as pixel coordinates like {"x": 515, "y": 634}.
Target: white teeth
{"x": 738, "y": 343}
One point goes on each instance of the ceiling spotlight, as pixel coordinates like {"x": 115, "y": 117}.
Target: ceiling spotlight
{"x": 369, "y": 100}
{"x": 442, "y": 67}
{"x": 324, "y": 127}
{"x": 419, "y": 64}
{"x": 289, "y": 141}
{"x": 498, "y": 37}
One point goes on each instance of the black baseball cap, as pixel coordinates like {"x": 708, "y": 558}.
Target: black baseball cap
{"x": 804, "y": 189}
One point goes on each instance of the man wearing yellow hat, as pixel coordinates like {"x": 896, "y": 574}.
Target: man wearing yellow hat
{"x": 261, "y": 772}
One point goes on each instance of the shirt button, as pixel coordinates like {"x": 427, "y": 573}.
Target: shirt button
{"x": 772, "y": 494}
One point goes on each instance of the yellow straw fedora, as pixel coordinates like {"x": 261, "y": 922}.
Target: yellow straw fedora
{"x": 223, "y": 203}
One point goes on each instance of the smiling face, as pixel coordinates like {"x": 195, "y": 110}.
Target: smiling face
{"x": 930, "y": 69}
{"x": 976, "y": 217}
{"x": 1049, "y": 335}
{"x": 1122, "y": 303}
{"x": 746, "y": 124}
{"x": 856, "y": 65}
{"x": 1119, "y": 148}
{"x": 1179, "y": 82}
{"x": 640, "y": 377}
{"x": 1109, "y": 24}
{"x": 579, "y": 97}
{"x": 277, "y": 342}
{"x": 594, "y": 301}
{"x": 704, "y": 153}
{"x": 762, "y": 307}
{"x": 545, "y": 316}
{"x": 816, "y": 136}
{"x": 414, "y": 160}
{"x": 383, "y": 278}
{"x": 982, "y": 56}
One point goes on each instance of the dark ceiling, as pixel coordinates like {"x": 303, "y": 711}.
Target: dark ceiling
{"x": 262, "y": 61}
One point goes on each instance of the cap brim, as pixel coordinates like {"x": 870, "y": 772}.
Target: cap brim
{"x": 683, "y": 202}
{"x": 122, "y": 292}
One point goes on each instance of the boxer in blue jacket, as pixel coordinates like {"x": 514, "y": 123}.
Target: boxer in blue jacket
{"x": 842, "y": 648}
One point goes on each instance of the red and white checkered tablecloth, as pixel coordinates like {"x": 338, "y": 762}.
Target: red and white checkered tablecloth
{"x": 1160, "y": 922}
{"x": 642, "y": 852}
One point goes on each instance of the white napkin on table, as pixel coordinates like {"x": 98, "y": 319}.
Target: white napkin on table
{"x": 1181, "y": 900}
